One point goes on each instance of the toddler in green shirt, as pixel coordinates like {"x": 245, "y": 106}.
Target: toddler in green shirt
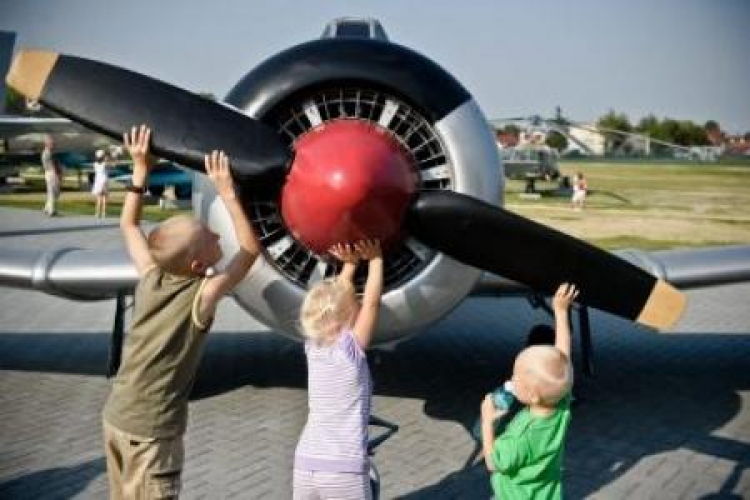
{"x": 526, "y": 459}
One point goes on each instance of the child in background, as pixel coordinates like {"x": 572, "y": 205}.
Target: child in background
{"x": 526, "y": 459}
{"x": 99, "y": 187}
{"x": 331, "y": 458}
{"x": 580, "y": 190}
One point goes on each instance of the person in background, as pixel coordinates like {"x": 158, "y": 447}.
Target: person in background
{"x": 52, "y": 177}
{"x": 99, "y": 187}
{"x": 580, "y": 189}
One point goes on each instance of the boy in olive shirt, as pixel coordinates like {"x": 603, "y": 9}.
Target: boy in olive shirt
{"x": 146, "y": 414}
{"x": 526, "y": 459}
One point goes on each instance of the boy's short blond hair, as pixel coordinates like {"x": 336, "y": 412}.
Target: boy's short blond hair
{"x": 548, "y": 371}
{"x": 326, "y": 309}
{"x": 172, "y": 243}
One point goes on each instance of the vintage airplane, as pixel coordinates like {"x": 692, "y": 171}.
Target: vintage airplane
{"x": 336, "y": 139}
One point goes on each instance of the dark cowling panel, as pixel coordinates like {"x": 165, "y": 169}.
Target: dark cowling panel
{"x": 384, "y": 64}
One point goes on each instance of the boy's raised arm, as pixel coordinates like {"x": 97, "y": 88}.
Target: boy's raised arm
{"x": 563, "y": 299}
{"x": 137, "y": 144}
{"x": 364, "y": 326}
{"x": 217, "y": 168}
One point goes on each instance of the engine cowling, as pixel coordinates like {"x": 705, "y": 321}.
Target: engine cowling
{"x": 401, "y": 92}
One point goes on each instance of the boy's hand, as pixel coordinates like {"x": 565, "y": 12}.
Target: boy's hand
{"x": 217, "y": 168}
{"x": 137, "y": 144}
{"x": 564, "y": 297}
{"x": 344, "y": 252}
{"x": 368, "y": 249}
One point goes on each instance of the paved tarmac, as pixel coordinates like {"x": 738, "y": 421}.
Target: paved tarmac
{"x": 665, "y": 416}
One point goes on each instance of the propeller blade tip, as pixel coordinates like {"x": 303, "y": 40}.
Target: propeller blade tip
{"x": 30, "y": 70}
{"x": 664, "y": 306}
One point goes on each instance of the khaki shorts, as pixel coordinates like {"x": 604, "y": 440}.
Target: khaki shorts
{"x": 141, "y": 468}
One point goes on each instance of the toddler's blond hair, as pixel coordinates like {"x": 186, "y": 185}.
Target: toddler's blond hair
{"x": 326, "y": 309}
{"x": 548, "y": 370}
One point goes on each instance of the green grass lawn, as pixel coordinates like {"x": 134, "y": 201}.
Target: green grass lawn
{"x": 75, "y": 200}
{"x": 647, "y": 206}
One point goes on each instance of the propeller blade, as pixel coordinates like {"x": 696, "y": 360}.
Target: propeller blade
{"x": 110, "y": 100}
{"x": 493, "y": 239}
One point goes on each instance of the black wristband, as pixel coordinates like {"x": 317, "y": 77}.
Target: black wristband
{"x": 136, "y": 189}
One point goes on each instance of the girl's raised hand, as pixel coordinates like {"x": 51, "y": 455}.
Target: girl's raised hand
{"x": 344, "y": 252}
{"x": 368, "y": 249}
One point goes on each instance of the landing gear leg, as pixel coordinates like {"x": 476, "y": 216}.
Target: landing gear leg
{"x": 584, "y": 327}
{"x": 118, "y": 329}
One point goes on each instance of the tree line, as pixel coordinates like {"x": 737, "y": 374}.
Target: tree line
{"x": 680, "y": 132}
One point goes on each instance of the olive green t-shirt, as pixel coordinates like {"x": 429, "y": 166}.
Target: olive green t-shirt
{"x": 161, "y": 354}
{"x": 528, "y": 455}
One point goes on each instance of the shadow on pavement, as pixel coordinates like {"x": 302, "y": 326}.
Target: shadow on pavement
{"x": 651, "y": 394}
{"x": 59, "y": 482}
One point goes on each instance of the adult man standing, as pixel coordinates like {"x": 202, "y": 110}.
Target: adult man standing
{"x": 52, "y": 177}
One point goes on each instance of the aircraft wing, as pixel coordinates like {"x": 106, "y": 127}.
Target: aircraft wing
{"x": 692, "y": 268}
{"x": 166, "y": 175}
{"x": 15, "y": 126}
{"x": 163, "y": 174}
{"x": 73, "y": 273}
{"x": 80, "y": 274}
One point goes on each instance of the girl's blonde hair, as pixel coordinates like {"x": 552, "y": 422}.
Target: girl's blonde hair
{"x": 327, "y": 308}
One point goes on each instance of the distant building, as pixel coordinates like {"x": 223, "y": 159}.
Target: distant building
{"x": 737, "y": 145}
{"x": 506, "y": 139}
{"x": 716, "y": 136}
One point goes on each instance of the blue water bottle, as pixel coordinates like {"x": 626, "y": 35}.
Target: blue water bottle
{"x": 503, "y": 399}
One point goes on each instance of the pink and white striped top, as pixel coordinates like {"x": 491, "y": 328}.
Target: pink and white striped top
{"x": 339, "y": 392}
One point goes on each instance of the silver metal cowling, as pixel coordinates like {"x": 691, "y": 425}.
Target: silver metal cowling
{"x": 427, "y": 296}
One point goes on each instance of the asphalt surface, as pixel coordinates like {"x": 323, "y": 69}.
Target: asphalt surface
{"x": 665, "y": 416}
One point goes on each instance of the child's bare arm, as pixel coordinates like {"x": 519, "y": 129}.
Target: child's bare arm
{"x": 364, "y": 326}
{"x": 346, "y": 254}
{"x": 217, "y": 168}
{"x": 137, "y": 144}
{"x": 563, "y": 299}
{"x": 488, "y": 416}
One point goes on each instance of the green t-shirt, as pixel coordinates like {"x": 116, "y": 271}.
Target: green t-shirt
{"x": 528, "y": 455}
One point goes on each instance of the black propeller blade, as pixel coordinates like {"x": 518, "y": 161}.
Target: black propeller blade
{"x": 110, "y": 100}
{"x": 493, "y": 239}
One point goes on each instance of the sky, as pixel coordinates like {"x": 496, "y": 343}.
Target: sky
{"x": 683, "y": 59}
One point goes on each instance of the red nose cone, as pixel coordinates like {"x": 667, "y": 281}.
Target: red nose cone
{"x": 350, "y": 180}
